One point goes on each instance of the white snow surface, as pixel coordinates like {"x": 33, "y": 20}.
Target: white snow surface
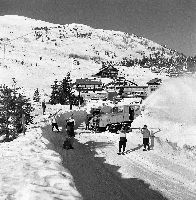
{"x": 31, "y": 170}
{"x": 166, "y": 168}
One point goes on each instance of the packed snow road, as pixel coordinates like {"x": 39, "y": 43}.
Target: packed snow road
{"x": 164, "y": 168}
{"x": 95, "y": 179}
{"x": 99, "y": 173}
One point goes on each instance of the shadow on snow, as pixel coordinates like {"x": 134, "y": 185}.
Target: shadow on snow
{"x": 94, "y": 178}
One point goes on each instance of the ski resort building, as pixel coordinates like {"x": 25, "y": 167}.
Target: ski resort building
{"x": 141, "y": 91}
{"x": 153, "y": 85}
{"x": 97, "y": 95}
{"x": 107, "y": 72}
{"x": 135, "y": 91}
{"x": 119, "y": 83}
{"x": 85, "y": 85}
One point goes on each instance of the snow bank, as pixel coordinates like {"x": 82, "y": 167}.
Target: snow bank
{"x": 173, "y": 109}
{"x": 31, "y": 169}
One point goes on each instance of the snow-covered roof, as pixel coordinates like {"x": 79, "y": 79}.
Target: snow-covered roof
{"x": 155, "y": 81}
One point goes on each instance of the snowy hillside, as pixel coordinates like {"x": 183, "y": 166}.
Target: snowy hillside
{"x": 36, "y": 52}
{"x": 35, "y": 166}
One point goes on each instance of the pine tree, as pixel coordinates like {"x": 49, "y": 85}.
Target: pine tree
{"x": 13, "y": 105}
{"x": 76, "y": 100}
{"x": 62, "y": 93}
{"x": 66, "y": 93}
{"x": 54, "y": 99}
{"x": 5, "y": 110}
{"x": 36, "y": 96}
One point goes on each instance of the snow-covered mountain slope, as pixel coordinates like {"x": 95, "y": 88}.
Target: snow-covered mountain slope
{"x": 36, "y": 52}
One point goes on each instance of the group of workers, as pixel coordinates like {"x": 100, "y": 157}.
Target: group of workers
{"x": 146, "y": 136}
{"x": 70, "y": 123}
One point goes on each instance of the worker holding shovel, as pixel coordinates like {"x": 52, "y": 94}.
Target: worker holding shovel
{"x": 54, "y": 121}
{"x": 146, "y": 135}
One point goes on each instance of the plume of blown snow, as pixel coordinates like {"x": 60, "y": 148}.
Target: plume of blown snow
{"x": 175, "y": 100}
{"x": 172, "y": 108}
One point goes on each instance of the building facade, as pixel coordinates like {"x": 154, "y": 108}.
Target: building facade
{"x": 119, "y": 83}
{"x": 135, "y": 91}
{"x": 153, "y": 85}
{"x": 85, "y": 85}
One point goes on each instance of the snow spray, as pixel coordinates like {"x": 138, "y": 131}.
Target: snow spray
{"x": 172, "y": 108}
{"x": 174, "y": 101}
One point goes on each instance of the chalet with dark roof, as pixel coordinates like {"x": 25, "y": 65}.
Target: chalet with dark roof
{"x": 86, "y": 85}
{"x": 155, "y": 81}
{"x": 107, "y": 72}
{"x": 153, "y": 85}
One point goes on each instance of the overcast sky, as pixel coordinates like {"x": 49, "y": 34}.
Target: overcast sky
{"x": 170, "y": 22}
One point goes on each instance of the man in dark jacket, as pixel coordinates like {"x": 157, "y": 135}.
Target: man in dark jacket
{"x": 87, "y": 121}
{"x": 70, "y": 130}
{"x": 44, "y": 107}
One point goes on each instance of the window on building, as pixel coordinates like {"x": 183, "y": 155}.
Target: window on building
{"x": 90, "y": 86}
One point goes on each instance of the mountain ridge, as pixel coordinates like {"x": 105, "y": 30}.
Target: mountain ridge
{"x": 44, "y": 52}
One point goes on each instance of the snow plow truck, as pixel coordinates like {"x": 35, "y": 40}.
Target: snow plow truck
{"x": 115, "y": 116}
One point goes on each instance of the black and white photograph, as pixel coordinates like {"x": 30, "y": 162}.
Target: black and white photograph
{"x": 97, "y": 99}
